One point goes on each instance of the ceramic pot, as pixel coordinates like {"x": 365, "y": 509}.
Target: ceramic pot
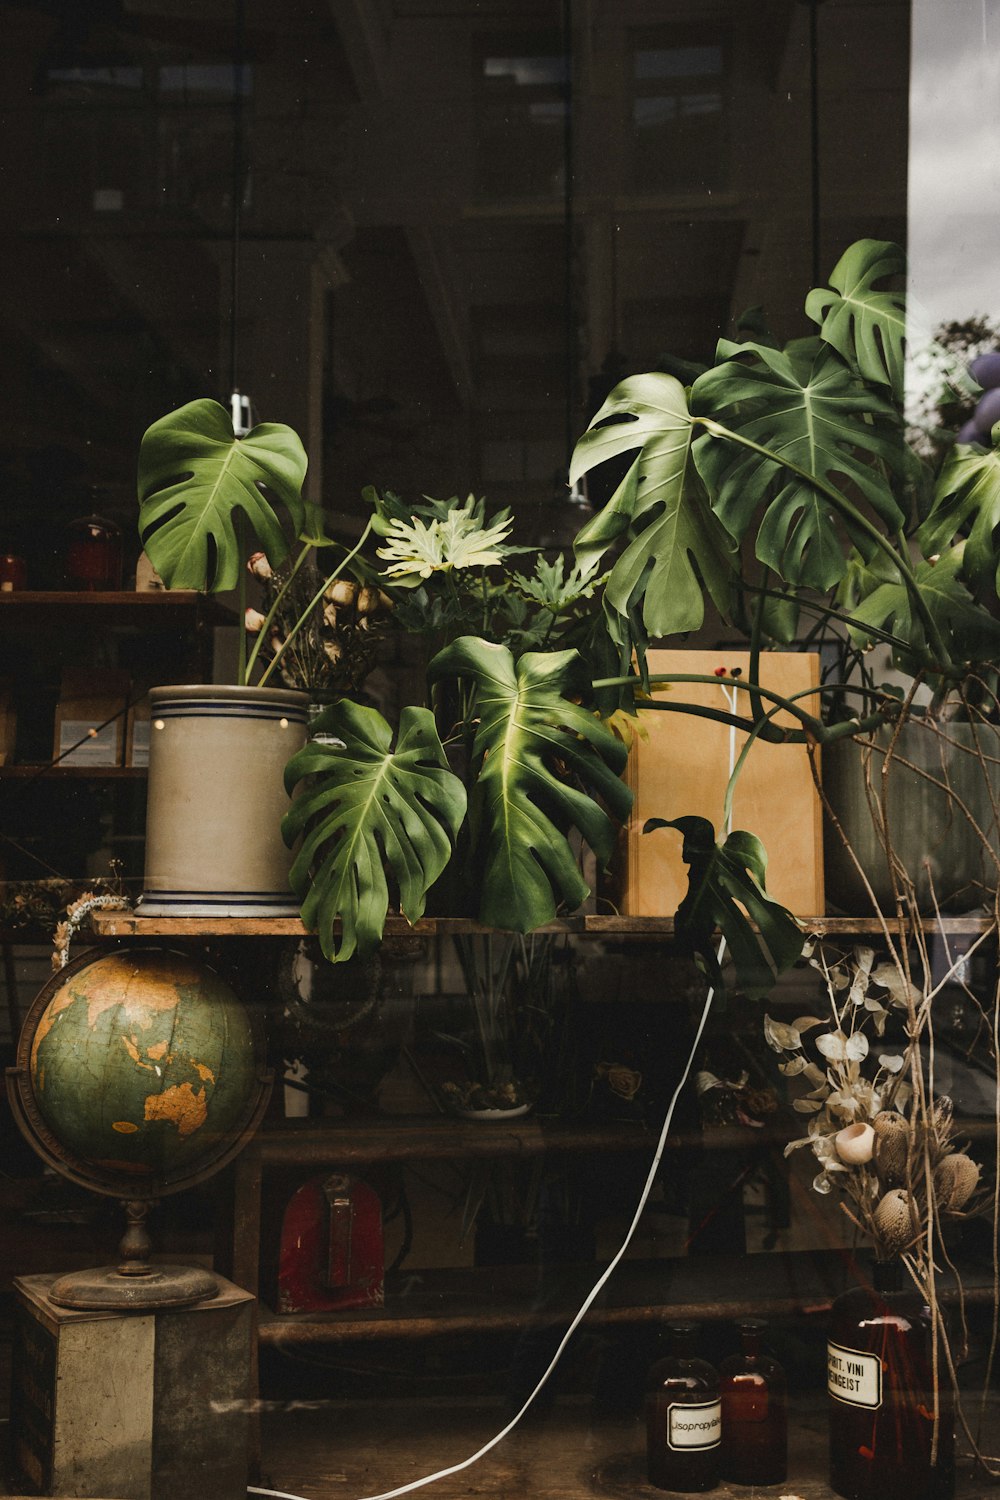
{"x": 930, "y": 834}
{"x": 216, "y": 798}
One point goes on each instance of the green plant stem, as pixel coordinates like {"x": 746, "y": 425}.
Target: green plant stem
{"x": 306, "y": 613}
{"x": 857, "y": 518}
{"x": 824, "y": 610}
{"x": 241, "y": 599}
{"x": 812, "y": 728}
{"x": 262, "y": 636}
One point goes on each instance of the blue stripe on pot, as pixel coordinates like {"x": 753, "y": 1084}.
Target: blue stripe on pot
{"x": 167, "y": 708}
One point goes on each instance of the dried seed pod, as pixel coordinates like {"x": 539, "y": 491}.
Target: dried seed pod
{"x": 892, "y": 1219}
{"x": 855, "y": 1143}
{"x": 367, "y": 600}
{"x": 891, "y": 1142}
{"x": 955, "y": 1180}
{"x": 341, "y": 592}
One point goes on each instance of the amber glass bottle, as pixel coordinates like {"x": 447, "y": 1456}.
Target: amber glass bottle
{"x": 881, "y": 1396}
{"x": 754, "y": 1412}
{"x": 683, "y": 1417}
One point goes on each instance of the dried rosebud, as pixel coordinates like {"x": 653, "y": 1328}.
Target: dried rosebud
{"x": 625, "y": 1082}
{"x": 341, "y": 592}
{"x": 367, "y": 600}
{"x": 253, "y": 620}
{"x": 330, "y": 615}
{"x": 259, "y": 567}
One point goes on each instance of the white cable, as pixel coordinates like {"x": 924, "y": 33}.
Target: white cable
{"x": 466, "y": 1463}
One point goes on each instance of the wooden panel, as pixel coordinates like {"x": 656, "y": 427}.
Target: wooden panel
{"x": 683, "y": 767}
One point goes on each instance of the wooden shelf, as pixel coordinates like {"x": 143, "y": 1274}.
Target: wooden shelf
{"x": 425, "y": 1138}
{"x": 460, "y": 1300}
{"x": 73, "y": 773}
{"x": 130, "y": 924}
{"x": 122, "y": 606}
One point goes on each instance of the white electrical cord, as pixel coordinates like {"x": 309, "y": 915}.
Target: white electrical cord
{"x": 602, "y": 1280}
{"x": 466, "y": 1463}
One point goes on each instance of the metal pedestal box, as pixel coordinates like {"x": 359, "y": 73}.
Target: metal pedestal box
{"x": 143, "y": 1406}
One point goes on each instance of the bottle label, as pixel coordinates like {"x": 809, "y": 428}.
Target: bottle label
{"x": 853, "y": 1376}
{"x": 698, "y": 1426}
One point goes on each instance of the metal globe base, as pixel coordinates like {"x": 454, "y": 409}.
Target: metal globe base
{"x": 117, "y": 1290}
{"x": 135, "y": 1284}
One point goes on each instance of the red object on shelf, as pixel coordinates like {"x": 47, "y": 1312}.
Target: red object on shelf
{"x": 13, "y": 572}
{"x": 332, "y": 1252}
{"x": 93, "y": 556}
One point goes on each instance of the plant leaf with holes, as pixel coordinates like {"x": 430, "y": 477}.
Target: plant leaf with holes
{"x": 197, "y": 479}
{"x": 675, "y": 547}
{"x": 364, "y": 808}
{"x": 809, "y": 410}
{"x": 879, "y": 598}
{"x": 967, "y": 503}
{"x": 867, "y": 327}
{"x": 540, "y": 760}
{"x": 726, "y": 893}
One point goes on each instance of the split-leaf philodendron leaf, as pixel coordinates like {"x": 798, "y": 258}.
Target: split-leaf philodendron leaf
{"x": 866, "y": 327}
{"x": 807, "y": 411}
{"x": 537, "y": 756}
{"x": 726, "y": 893}
{"x": 195, "y": 480}
{"x": 363, "y": 807}
{"x": 967, "y": 503}
{"x": 676, "y": 547}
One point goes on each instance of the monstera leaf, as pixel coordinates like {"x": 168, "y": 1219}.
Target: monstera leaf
{"x": 537, "y": 753}
{"x": 876, "y": 595}
{"x": 865, "y": 326}
{"x": 677, "y": 546}
{"x": 967, "y": 500}
{"x": 363, "y": 807}
{"x": 196, "y": 477}
{"x": 811, "y": 412}
{"x": 726, "y": 894}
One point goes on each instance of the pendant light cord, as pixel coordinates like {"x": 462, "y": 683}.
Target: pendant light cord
{"x": 236, "y": 188}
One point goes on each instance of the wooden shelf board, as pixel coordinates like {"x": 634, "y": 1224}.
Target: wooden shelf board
{"x": 130, "y": 924}
{"x": 73, "y": 773}
{"x": 424, "y": 1138}
{"x": 501, "y": 1299}
{"x": 119, "y": 603}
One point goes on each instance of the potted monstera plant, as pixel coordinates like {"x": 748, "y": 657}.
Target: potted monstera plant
{"x": 527, "y": 767}
{"x": 782, "y": 484}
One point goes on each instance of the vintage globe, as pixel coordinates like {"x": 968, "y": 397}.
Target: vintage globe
{"x": 138, "y": 1072}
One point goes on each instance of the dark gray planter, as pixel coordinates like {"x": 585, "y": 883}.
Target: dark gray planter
{"x": 930, "y": 833}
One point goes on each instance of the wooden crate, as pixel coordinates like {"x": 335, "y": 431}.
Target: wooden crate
{"x": 683, "y": 767}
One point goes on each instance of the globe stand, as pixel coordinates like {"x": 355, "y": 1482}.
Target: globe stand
{"x": 135, "y": 1284}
